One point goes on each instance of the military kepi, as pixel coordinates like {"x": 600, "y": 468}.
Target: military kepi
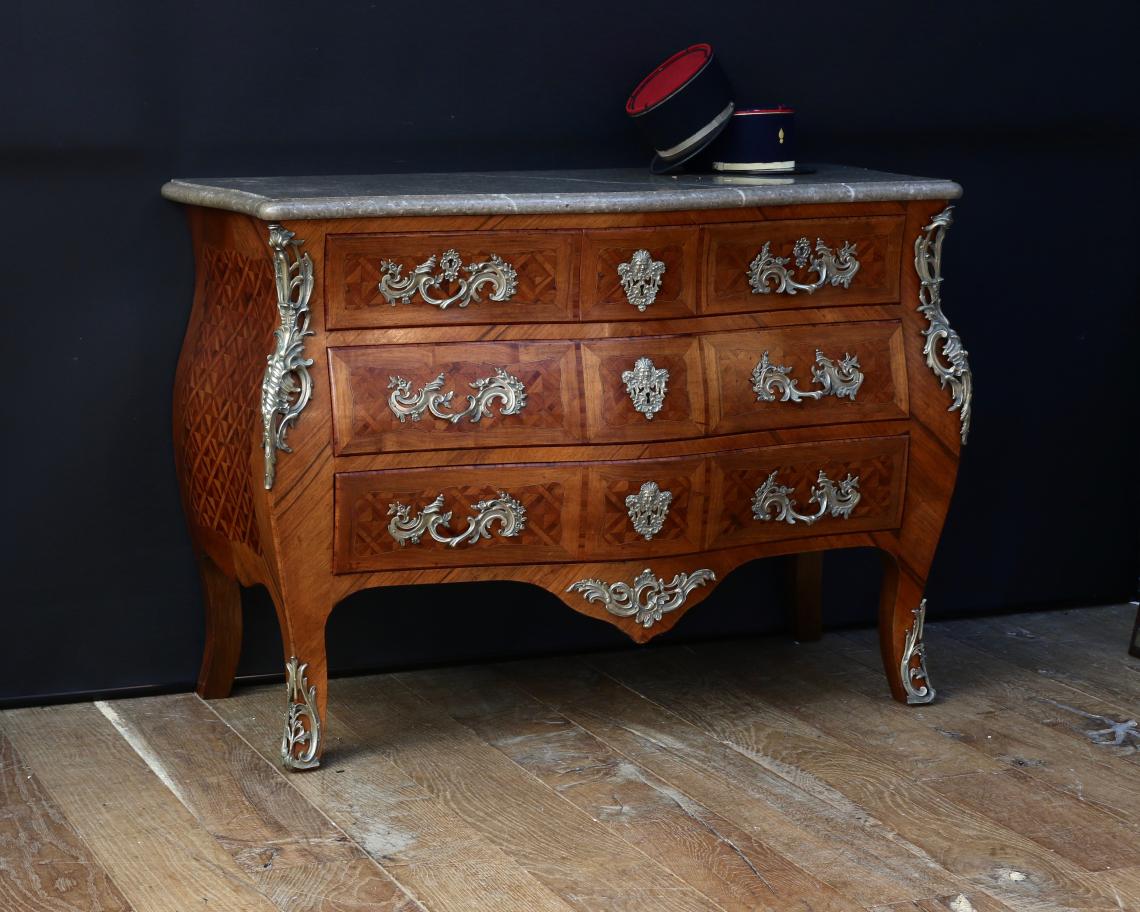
{"x": 682, "y": 106}
{"x": 757, "y": 141}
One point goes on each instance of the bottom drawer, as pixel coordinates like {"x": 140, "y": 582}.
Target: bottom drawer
{"x": 551, "y": 513}
{"x": 806, "y": 489}
{"x": 449, "y": 517}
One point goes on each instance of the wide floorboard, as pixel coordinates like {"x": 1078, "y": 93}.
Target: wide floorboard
{"x": 746, "y": 775}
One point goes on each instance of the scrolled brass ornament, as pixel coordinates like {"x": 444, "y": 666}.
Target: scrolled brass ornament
{"x": 841, "y": 380}
{"x": 495, "y": 272}
{"x": 507, "y": 389}
{"x": 769, "y": 273}
{"x": 641, "y": 279}
{"x": 302, "y": 736}
{"x": 953, "y": 367}
{"x": 504, "y": 510}
{"x": 286, "y": 387}
{"x": 772, "y": 500}
{"x": 915, "y": 680}
{"x": 647, "y": 598}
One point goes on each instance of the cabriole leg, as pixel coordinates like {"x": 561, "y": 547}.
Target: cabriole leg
{"x": 902, "y": 611}
{"x": 222, "y": 596}
{"x": 807, "y": 596}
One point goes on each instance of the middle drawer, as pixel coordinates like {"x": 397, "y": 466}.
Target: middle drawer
{"x": 461, "y": 395}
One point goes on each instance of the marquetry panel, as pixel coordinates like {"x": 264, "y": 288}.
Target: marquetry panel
{"x": 366, "y": 423}
{"x": 543, "y": 261}
{"x": 879, "y": 463}
{"x": 610, "y": 533}
{"x": 603, "y": 297}
{"x": 224, "y": 359}
{"x": 551, "y": 496}
{"x": 731, "y": 357}
{"x": 729, "y": 249}
{"x": 610, "y": 412}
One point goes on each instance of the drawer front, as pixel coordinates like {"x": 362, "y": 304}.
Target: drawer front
{"x": 808, "y": 263}
{"x": 383, "y": 280}
{"x": 643, "y": 389}
{"x": 428, "y": 397}
{"x": 802, "y": 375}
{"x": 645, "y": 508}
{"x": 491, "y": 515}
{"x": 640, "y": 274}
{"x": 779, "y": 483}
{"x": 420, "y": 518}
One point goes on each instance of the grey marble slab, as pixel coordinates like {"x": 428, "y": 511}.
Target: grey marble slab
{"x": 541, "y": 192}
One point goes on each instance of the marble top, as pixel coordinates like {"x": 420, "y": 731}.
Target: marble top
{"x": 531, "y": 192}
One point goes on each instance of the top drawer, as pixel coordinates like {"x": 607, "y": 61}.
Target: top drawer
{"x": 433, "y": 279}
{"x": 802, "y": 263}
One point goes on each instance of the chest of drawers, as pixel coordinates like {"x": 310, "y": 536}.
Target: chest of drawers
{"x": 614, "y": 386}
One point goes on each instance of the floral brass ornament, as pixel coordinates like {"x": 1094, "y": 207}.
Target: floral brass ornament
{"x": 769, "y": 273}
{"x": 641, "y": 279}
{"x": 915, "y": 680}
{"x": 286, "y": 386}
{"x": 647, "y": 385}
{"x": 647, "y": 598}
{"x": 648, "y": 509}
{"x": 840, "y": 380}
{"x": 504, "y": 387}
{"x": 504, "y": 510}
{"x": 953, "y": 367}
{"x": 837, "y": 500}
{"x": 495, "y": 272}
{"x": 302, "y": 737}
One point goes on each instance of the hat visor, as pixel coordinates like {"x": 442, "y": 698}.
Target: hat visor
{"x": 661, "y": 166}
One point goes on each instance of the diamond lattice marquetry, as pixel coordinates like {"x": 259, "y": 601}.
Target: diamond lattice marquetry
{"x": 537, "y": 276}
{"x": 618, "y": 528}
{"x": 362, "y": 281}
{"x": 219, "y": 398}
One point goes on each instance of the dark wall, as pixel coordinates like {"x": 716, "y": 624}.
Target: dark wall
{"x": 103, "y": 102}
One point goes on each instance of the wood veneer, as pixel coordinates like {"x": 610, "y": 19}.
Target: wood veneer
{"x": 320, "y": 533}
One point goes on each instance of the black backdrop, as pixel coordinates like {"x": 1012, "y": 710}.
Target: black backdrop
{"x": 1022, "y": 105}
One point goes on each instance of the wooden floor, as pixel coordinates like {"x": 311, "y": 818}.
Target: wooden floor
{"x": 748, "y": 775}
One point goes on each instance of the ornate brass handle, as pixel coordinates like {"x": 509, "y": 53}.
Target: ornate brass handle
{"x": 641, "y": 279}
{"x": 840, "y": 380}
{"x": 836, "y": 500}
{"x": 830, "y": 267}
{"x": 647, "y": 598}
{"x": 405, "y": 404}
{"x": 497, "y": 273}
{"x": 504, "y": 510}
